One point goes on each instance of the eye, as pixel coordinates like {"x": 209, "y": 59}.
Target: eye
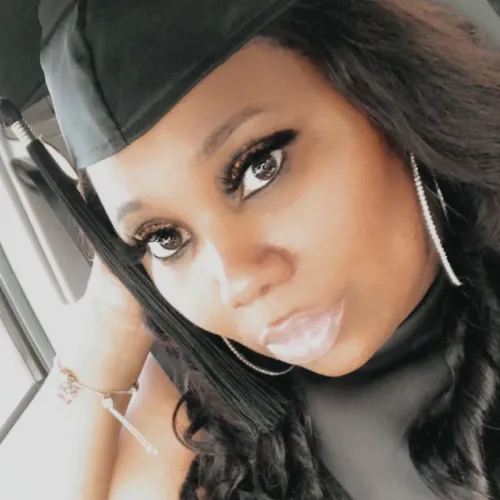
{"x": 258, "y": 165}
{"x": 164, "y": 243}
{"x": 261, "y": 173}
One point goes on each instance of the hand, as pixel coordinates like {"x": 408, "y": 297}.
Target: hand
{"x": 107, "y": 301}
{"x": 107, "y": 337}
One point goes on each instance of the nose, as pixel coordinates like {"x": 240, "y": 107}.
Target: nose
{"x": 246, "y": 272}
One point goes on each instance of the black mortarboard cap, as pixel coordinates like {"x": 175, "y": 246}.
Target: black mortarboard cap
{"x": 115, "y": 68}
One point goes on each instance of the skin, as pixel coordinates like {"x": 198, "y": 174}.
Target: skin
{"x": 340, "y": 224}
{"x": 137, "y": 474}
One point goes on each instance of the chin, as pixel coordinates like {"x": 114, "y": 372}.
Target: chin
{"x": 342, "y": 360}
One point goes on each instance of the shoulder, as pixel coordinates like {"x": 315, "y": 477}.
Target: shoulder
{"x": 137, "y": 474}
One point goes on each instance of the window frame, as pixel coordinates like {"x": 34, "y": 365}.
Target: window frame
{"x": 27, "y": 336}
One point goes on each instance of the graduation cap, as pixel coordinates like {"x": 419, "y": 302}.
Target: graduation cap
{"x": 114, "y": 69}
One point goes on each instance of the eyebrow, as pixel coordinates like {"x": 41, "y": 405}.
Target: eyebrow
{"x": 127, "y": 208}
{"x": 210, "y": 145}
{"x": 222, "y": 133}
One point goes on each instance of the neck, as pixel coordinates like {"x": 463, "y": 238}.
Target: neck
{"x": 420, "y": 330}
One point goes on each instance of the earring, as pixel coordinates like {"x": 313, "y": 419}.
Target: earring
{"x": 256, "y": 368}
{"x": 440, "y": 198}
{"x": 429, "y": 222}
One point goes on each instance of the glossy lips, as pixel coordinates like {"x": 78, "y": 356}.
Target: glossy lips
{"x": 304, "y": 338}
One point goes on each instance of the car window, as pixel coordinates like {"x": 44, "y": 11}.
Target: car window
{"x": 15, "y": 380}
{"x": 44, "y": 267}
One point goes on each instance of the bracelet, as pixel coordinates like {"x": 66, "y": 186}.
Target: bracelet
{"x": 69, "y": 386}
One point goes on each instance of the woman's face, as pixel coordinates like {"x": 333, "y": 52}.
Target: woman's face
{"x": 275, "y": 214}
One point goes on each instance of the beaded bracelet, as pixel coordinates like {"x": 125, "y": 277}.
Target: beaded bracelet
{"x": 69, "y": 386}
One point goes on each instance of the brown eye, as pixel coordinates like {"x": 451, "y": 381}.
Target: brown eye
{"x": 166, "y": 243}
{"x": 259, "y": 164}
{"x": 262, "y": 172}
{"x": 265, "y": 170}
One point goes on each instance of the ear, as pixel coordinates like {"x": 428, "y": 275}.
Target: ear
{"x": 87, "y": 191}
{"x": 83, "y": 184}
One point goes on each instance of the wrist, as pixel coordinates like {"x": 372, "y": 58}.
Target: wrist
{"x": 103, "y": 373}
{"x": 106, "y": 362}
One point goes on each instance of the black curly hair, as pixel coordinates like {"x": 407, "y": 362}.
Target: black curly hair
{"x": 427, "y": 81}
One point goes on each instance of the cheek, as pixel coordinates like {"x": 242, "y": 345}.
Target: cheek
{"x": 355, "y": 218}
{"x": 187, "y": 294}
{"x": 339, "y": 206}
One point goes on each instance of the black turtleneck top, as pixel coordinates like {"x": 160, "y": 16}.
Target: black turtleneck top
{"x": 362, "y": 418}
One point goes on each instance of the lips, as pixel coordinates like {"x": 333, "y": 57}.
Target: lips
{"x": 303, "y": 338}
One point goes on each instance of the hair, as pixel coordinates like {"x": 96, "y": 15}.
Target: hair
{"x": 430, "y": 84}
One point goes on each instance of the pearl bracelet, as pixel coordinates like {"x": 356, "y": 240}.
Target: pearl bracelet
{"x": 69, "y": 386}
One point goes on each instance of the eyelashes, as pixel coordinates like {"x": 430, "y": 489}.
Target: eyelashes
{"x": 263, "y": 156}
{"x": 162, "y": 240}
{"x": 247, "y": 173}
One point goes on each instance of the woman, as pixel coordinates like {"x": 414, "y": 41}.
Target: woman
{"x": 313, "y": 188}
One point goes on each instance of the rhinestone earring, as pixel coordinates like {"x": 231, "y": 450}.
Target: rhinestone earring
{"x": 429, "y": 222}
